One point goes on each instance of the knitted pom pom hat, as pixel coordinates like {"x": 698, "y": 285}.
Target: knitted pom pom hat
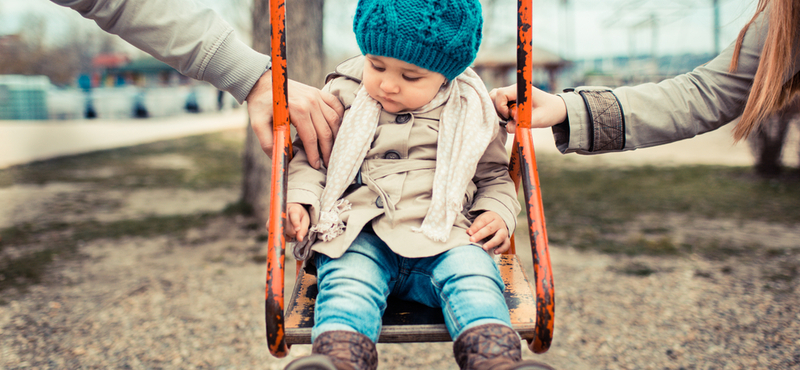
{"x": 438, "y": 35}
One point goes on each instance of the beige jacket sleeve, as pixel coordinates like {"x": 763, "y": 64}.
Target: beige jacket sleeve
{"x": 626, "y": 118}
{"x": 193, "y": 40}
{"x": 495, "y": 188}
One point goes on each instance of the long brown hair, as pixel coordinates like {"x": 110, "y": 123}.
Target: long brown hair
{"x": 769, "y": 93}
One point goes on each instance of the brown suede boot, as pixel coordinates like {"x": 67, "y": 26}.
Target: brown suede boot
{"x": 492, "y": 347}
{"x": 339, "y": 350}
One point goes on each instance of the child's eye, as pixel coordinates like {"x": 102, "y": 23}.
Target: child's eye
{"x": 379, "y": 69}
{"x": 411, "y": 79}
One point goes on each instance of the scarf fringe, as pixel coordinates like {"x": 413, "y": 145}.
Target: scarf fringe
{"x": 330, "y": 225}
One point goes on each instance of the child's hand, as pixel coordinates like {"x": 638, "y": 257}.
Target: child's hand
{"x": 490, "y": 224}
{"x": 297, "y": 221}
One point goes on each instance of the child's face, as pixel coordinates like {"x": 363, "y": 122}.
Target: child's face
{"x": 399, "y": 86}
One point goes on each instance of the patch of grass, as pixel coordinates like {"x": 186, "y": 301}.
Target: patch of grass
{"x": 146, "y": 227}
{"x": 215, "y": 157}
{"x": 63, "y": 240}
{"x": 22, "y": 271}
{"x": 590, "y": 208}
{"x": 238, "y": 208}
{"x": 636, "y": 269}
{"x": 782, "y": 278}
{"x": 610, "y": 195}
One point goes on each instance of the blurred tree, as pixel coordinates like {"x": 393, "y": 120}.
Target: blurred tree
{"x": 30, "y": 53}
{"x": 305, "y": 61}
{"x": 767, "y": 142}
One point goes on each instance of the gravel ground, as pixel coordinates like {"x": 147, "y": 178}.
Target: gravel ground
{"x": 195, "y": 300}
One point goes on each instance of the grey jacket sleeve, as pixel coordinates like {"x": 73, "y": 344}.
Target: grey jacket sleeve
{"x": 193, "y": 40}
{"x": 603, "y": 120}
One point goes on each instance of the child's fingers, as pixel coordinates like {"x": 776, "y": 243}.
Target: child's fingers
{"x": 480, "y": 234}
{"x": 497, "y": 241}
{"x": 296, "y": 223}
{"x": 302, "y": 230}
{"x": 479, "y": 223}
{"x": 503, "y": 247}
{"x": 288, "y": 229}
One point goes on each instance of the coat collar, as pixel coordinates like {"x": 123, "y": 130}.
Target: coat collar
{"x": 352, "y": 69}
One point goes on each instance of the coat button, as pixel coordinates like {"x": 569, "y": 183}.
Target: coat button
{"x": 379, "y": 202}
{"x": 403, "y": 118}
{"x": 392, "y": 154}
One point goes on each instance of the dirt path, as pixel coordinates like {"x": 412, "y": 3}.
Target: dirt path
{"x": 194, "y": 300}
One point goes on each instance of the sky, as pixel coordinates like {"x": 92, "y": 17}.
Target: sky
{"x": 581, "y": 29}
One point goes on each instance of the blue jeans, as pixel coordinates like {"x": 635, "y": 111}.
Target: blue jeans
{"x": 463, "y": 281}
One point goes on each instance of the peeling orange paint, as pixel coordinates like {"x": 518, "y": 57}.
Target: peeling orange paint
{"x": 281, "y": 153}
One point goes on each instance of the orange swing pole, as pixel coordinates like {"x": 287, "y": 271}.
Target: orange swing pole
{"x": 281, "y": 153}
{"x": 545, "y": 294}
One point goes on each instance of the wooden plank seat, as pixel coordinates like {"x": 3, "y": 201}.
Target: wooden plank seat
{"x": 406, "y": 321}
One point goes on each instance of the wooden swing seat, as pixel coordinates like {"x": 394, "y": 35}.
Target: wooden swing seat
{"x": 406, "y": 321}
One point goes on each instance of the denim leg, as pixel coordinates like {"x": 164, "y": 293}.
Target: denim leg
{"x": 353, "y": 288}
{"x": 465, "y": 282}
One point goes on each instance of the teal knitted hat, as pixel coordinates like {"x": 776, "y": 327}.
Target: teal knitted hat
{"x": 438, "y": 35}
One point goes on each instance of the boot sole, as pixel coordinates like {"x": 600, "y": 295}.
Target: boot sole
{"x": 313, "y": 362}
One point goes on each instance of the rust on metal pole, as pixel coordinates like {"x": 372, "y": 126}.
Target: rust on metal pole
{"x": 281, "y": 152}
{"x": 514, "y": 172}
{"x": 545, "y": 294}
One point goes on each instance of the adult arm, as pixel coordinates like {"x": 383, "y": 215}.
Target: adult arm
{"x": 626, "y": 118}
{"x": 598, "y": 119}
{"x": 201, "y": 45}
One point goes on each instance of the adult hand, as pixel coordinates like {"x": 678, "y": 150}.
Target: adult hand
{"x": 314, "y": 113}
{"x": 548, "y": 109}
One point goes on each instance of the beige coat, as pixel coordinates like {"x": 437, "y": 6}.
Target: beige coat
{"x": 398, "y": 175}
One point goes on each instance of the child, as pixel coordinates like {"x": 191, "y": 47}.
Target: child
{"x": 417, "y": 183}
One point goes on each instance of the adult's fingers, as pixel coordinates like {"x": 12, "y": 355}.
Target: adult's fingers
{"x": 261, "y": 123}
{"x": 511, "y": 126}
{"x": 306, "y": 130}
{"x": 259, "y": 108}
{"x": 501, "y": 97}
{"x": 333, "y": 111}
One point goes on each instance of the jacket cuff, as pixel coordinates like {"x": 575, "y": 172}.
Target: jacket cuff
{"x": 307, "y": 195}
{"x": 235, "y": 67}
{"x": 575, "y": 137}
{"x": 595, "y": 122}
{"x": 605, "y": 119}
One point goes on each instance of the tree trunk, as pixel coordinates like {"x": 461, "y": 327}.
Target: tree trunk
{"x": 767, "y": 142}
{"x": 305, "y": 61}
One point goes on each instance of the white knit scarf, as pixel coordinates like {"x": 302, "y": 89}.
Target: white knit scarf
{"x": 467, "y": 125}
